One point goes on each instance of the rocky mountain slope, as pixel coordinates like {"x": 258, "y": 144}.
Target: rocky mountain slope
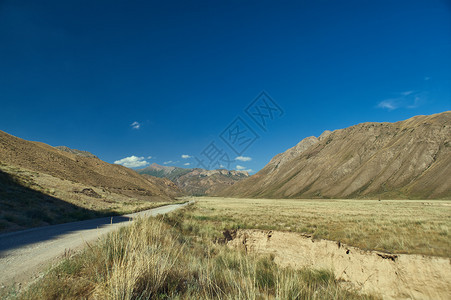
{"x": 196, "y": 181}
{"x": 406, "y": 159}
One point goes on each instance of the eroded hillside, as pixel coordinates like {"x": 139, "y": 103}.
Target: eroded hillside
{"x": 406, "y": 159}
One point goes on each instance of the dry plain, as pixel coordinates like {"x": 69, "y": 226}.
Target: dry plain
{"x": 394, "y": 226}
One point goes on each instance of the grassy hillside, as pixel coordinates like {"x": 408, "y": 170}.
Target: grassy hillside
{"x": 42, "y": 185}
{"x": 31, "y": 199}
{"x": 91, "y": 171}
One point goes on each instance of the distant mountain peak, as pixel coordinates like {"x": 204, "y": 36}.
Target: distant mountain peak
{"x": 195, "y": 181}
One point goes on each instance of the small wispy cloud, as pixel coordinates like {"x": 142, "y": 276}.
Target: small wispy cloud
{"x": 407, "y": 99}
{"x": 170, "y": 162}
{"x": 407, "y": 93}
{"x": 149, "y": 157}
{"x": 135, "y": 125}
{"x": 389, "y": 104}
{"x": 243, "y": 158}
{"x": 242, "y": 168}
{"x": 186, "y": 156}
{"x": 186, "y": 164}
{"x": 417, "y": 100}
{"x": 132, "y": 162}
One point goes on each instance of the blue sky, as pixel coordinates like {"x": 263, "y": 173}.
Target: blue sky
{"x": 151, "y": 81}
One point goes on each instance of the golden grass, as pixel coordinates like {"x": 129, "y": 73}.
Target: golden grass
{"x": 161, "y": 259}
{"x": 396, "y": 226}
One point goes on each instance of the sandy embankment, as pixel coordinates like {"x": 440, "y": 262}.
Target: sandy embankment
{"x": 390, "y": 276}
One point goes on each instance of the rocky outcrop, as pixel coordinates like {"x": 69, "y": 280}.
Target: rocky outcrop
{"x": 76, "y": 152}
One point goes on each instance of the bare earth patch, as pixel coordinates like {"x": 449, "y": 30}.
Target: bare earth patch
{"x": 392, "y": 276}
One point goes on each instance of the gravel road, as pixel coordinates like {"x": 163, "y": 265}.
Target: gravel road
{"x": 25, "y": 254}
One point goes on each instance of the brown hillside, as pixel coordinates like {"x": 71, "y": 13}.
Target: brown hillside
{"x": 42, "y": 158}
{"x": 406, "y": 159}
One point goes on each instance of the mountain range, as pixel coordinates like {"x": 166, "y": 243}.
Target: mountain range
{"x": 196, "y": 181}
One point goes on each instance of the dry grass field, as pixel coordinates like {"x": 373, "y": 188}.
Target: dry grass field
{"x": 395, "y": 226}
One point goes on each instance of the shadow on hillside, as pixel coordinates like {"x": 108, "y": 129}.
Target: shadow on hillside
{"x": 23, "y": 207}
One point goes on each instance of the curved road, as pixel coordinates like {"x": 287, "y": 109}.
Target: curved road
{"x": 24, "y": 254}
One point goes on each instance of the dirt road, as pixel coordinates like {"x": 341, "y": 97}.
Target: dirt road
{"x": 24, "y": 254}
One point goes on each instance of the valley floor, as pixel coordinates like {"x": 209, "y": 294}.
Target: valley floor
{"x": 265, "y": 249}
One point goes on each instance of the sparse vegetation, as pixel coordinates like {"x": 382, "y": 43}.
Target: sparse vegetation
{"x": 172, "y": 258}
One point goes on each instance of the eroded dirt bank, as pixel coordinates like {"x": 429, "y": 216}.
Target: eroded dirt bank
{"x": 399, "y": 276}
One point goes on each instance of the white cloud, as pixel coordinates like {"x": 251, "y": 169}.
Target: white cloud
{"x": 243, "y": 158}
{"x": 135, "y": 125}
{"x": 389, "y": 104}
{"x": 241, "y": 168}
{"x": 407, "y": 93}
{"x": 132, "y": 162}
{"x": 168, "y": 162}
{"x": 185, "y": 156}
{"x": 149, "y": 157}
{"x": 186, "y": 164}
{"x": 407, "y": 99}
{"x": 416, "y": 102}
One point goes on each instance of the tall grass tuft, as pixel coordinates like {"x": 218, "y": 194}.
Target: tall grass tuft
{"x": 151, "y": 259}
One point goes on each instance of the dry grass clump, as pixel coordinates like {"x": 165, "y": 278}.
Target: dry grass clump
{"x": 396, "y": 226}
{"x": 165, "y": 259}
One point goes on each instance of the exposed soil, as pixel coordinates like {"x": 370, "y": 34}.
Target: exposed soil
{"x": 400, "y": 276}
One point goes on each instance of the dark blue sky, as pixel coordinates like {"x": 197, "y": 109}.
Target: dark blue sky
{"x": 79, "y": 73}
